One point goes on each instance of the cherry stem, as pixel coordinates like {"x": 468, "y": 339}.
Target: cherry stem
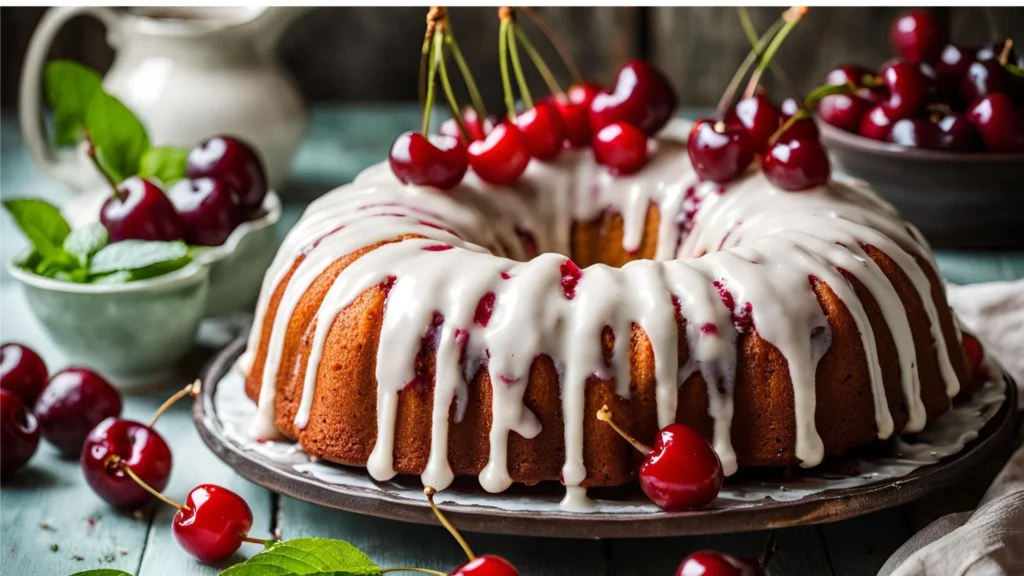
{"x": 190, "y": 390}
{"x": 412, "y": 569}
{"x": 605, "y": 415}
{"x": 524, "y": 88}
{"x": 449, "y": 94}
{"x": 115, "y": 460}
{"x": 791, "y": 18}
{"x": 734, "y": 83}
{"x": 538, "y": 62}
{"x": 801, "y": 114}
{"x": 429, "y": 491}
{"x": 467, "y": 75}
{"x": 428, "y": 103}
{"x": 259, "y": 541}
{"x": 563, "y": 53}
{"x": 1004, "y": 56}
{"x": 748, "y": 29}
{"x": 96, "y": 162}
{"x": 506, "y": 84}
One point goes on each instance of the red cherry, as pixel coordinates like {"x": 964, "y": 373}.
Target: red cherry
{"x": 916, "y": 133}
{"x": 75, "y": 400}
{"x": 714, "y": 563}
{"x": 19, "y": 433}
{"x": 544, "y": 130}
{"x": 233, "y": 162}
{"x": 487, "y": 565}
{"x": 848, "y": 74}
{"x": 908, "y": 88}
{"x": 140, "y": 211}
{"x": 1000, "y": 125}
{"x": 983, "y": 78}
{"x": 440, "y": 161}
{"x": 759, "y": 116}
{"x": 796, "y": 165}
{"x": 621, "y": 147}
{"x": 804, "y": 129}
{"x": 502, "y": 157}
{"x": 116, "y": 443}
{"x": 477, "y": 128}
{"x": 641, "y": 97}
{"x": 212, "y": 523}
{"x": 575, "y": 110}
{"x": 719, "y": 151}
{"x": 207, "y": 210}
{"x": 951, "y": 65}
{"x": 876, "y": 124}
{"x": 843, "y": 111}
{"x": 22, "y": 372}
{"x": 961, "y": 136}
{"x": 918, "y": 36}
{"x": 975, "y": 355}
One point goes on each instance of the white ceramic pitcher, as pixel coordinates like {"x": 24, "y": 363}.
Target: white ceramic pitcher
{"x": 188, "y": 73}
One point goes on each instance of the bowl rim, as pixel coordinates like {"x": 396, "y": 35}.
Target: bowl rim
{"x": 838, "y": 138}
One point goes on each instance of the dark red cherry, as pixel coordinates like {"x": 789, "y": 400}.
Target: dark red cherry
{"x": 440, "y": 162}
{"x": 951, "y": 65}
{"x": 801, "y": 129}
{"x": 975, "y": 355}
{"x": 876, "y": 124}
{"x": 759, "y": 116}
{"x": 116, "y": 443}
{"x": 719, "y": 151}
{"x": 502, "y": 157}
{"x": 917, "y": 133}
{"x": 19, "y": 433}
{"x": 487, "y": 565}
{"x": 682, "y": 471}
{"x": 233, "y": 162}
{"x": 908, "y": 86}
{"x": 1000, "y": 125}
{"x": 621, "y": 147}
{"x": 641, "y": 96}
{"x": 848, "y": 74}
{"x": 75, "y": 400}
{"x": 207, "y": 210}
{"x": 983, "y": 78}
{"x": 140, "y": 211}
{"x": 714, "y": 563}
{"x": 843, "y": 111}
{"x": 212, "y": 524}
{"x": 960, "y": 134}
{"x": 574, "y": 108}
{"x": 544, "y": 130}
{"x": 796, "y": 165}
{"x": 22, "y": 372}
{"x": 476, "y": 127}
{"x": 993, "y": 50}
{"x": 918, "y": 36}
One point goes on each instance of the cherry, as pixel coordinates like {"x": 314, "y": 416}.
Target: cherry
{"x": 682, "y": 470}
{"x": 960, "y": 134}
{"x": 115, "y": 451}
{"x": 621, "y": 147}
{"x": 439, "y": 161}
{"x": 207, "y": 210}
{"x": 19, "y": 433}
{"x": 544, "y": 130}
{"x": 848, "y": 74}
{"x": 714, "y": 563}
{"x": 235, "y": 163}
{"x": 487, "y": 565}
{"x": 574, "y": 107}
{"x": 843, "y": 111}
{"x": 477, "y": 129}
{"x": 1000, "y": 125}
{"x": 876, "y": 124}
{"x": 22, "y": 372}
{"x": 719, "y": 151}
{"x": 983, "y": 78}
{"x": 75, "y": 400}
{"x": 951, "y": 65}
{"x": 641, "y": 97}
{"x": 916, "y": 133}
{"x": 804, "y": 128}
{"x": 139, "y": 210}
{"x": 759, "y": 116}
{"x": 975, "y": 355}
{"x": 918, "y": 36}
{"x": 908, "y": 88}
{"x": 212, "y": 523}
{"x": 796, "y": 165}
{"x": 502, "y": 157}
{"x": 993, "y": 50}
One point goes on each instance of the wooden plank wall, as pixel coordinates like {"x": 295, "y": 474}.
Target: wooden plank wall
{"x": 368, "y": 54}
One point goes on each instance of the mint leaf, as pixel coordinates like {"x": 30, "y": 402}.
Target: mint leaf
{"x": 119, "y": 277}
{"x": 70, "y": 87}
{"x": 160, "y": 268}
{"x": 164, "y": 162}
{"x": 136, "y": 255}
{"x": 307, "y": 557}
{"x": 42, "y": 224}
{"x": 102, "y": 572}
{"x": 85, "y": 242}
{"x": 118, "y": 138}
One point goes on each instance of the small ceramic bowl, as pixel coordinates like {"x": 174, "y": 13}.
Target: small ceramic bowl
{"x": 134, "y": 333}
{"x": 958, "y": 200}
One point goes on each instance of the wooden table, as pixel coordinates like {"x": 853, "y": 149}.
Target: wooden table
{"x": 52, "y": 524}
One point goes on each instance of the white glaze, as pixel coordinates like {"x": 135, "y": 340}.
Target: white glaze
{"x": 757, "y": 242}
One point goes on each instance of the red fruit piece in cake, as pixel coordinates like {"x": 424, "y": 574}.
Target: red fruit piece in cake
{"x": 571, "y": 275}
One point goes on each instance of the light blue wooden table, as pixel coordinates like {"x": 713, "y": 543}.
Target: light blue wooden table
{"x": 51, "y": 524}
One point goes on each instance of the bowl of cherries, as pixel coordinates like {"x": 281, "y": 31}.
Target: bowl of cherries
{"x": 938, "y": 131}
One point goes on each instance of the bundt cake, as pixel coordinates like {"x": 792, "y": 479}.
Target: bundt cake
{"x": 478, "y": 331}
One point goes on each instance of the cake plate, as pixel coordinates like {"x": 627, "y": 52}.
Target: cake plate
{"x": 883, "y": 477}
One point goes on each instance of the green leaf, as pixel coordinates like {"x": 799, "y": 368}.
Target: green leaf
{"x": 118, "y": 138}
{"x": 136, "y": 255}
{"x": 42, "y": 224}
{"x": 119, "y": 277}
{"x": 307, "y": 557}
{"x": 70, "y": 87}
{"x": 78, "y": 275}
{"x": 1014, "y": 69}
{"x": 160, "y": 268}
{"x": 85, "y": 242}
{"x": 102, "y": 572}
{"x": 164, "y": 162}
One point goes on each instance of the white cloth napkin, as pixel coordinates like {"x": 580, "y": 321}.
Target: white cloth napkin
{"x": 989, "y": 540}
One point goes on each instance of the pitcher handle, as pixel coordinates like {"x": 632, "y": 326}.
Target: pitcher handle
{"x": 65, "y": 167}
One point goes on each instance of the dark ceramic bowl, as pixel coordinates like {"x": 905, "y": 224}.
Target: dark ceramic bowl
{"x": 957, "y": 200}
